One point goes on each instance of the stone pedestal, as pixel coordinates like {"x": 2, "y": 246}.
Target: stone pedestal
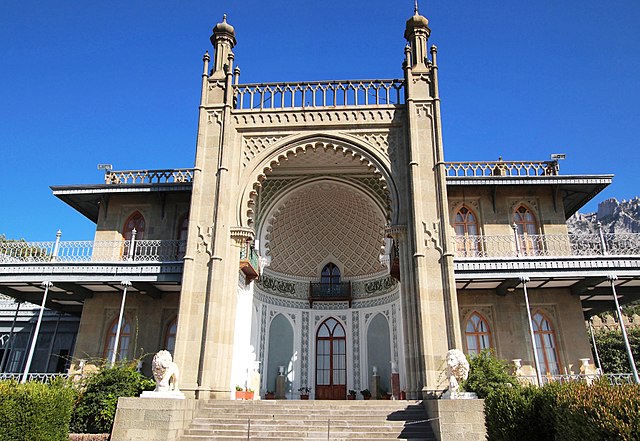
{"x": 152, "y": 419}
{"x": 374, "y": 387}
{"x": 456, "y": 420}
{"x": 395, "y": 385}
{"x": 280, "y": 390}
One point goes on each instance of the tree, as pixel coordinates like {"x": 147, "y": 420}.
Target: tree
{"x": 612, "y": 351}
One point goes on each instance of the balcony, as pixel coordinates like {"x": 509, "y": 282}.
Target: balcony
{"x": 21, "y": 252}
{"x": 249, "y": 263}
{"x": 329, "y": 292}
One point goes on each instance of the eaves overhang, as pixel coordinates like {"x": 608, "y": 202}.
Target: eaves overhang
{"x": 573, "y": 190}
{"x": 86, "y": 199}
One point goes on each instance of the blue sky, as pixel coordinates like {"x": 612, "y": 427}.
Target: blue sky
{"x": 117, "y": 82}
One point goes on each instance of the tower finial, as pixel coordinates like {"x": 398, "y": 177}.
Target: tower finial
{"x": 415, "y": 7}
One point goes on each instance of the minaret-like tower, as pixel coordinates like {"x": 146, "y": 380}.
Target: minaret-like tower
{"x": 430, "y": 304}
{"x": 205, "y": 337}
{"x": 417, "y": 34}
{"x": 223, "y": 41}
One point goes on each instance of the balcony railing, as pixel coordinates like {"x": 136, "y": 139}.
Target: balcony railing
{"x": 171, "y": 176}
{"x": 249, "y": 262}
{"x": 502, "y": 168}
{"x": 319, "y": 94}
{"x": 330, "y": 292}
{"x": 20, "y": 252}
{"x": 613, "y": 379}
{"x": 35, "y": 376}
{"x": 548, "y": 245}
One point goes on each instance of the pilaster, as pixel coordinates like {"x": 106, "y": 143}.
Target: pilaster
{"x": 431, "y": 290}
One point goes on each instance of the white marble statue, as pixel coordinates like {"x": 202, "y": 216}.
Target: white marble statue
{"x": 458, "y": 368}
{"x": 165, "y": 372}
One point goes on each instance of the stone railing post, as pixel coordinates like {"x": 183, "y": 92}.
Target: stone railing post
{"x": 603, "y": 242}
{"x": 132, "y": 243}
{"x": 56, "y": 247}
{"x": 516, "y": 238}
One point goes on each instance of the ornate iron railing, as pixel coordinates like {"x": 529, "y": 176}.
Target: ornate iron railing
{"x": 329, "y": 292}
{"x": 502, "y": 168}
{"x": 318, "y": 94}
{"x": 36, "y": 376}
{"x": 547, "y": 245}
{"x": 20, "y": 252}
{"x": 149, "y": 176}
{"x": 250, "y": 254}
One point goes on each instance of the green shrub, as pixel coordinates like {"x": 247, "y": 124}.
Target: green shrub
{"x": 564, "y": 412}
{"x": 95, "y": 408}
{"x": 612, "y": 351}
{"x": 35, "y": 411}
{"x": 600, "y": 411}
{"x": 487, "y": 373}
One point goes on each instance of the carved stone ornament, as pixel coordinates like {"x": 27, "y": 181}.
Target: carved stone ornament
{"x": 242, "y": 234}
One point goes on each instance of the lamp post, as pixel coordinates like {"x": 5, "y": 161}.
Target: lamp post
{"x": 46, "y": 285}
{"x": 524, "y": 281}
{"x": 126, "y": 284}
{"x": 612, "y": 279}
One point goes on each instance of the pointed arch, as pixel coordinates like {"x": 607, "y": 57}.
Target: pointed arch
{"x": 291, "y": 147}
{"x": 465, "y": 225}
{"x": 546, "y": 343}
{"x": 182, "y": 231}
{"x": 331, "y": 360}
{"x": 170, "y": 335}
{"x": 123, "y": 343}
{"x": 330, "y": 274}
{"x": 477, "y": 333}
{"x": 134, "y": 221}
{"x": 527, "y": 228}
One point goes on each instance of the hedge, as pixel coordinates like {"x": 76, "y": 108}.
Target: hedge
{"x": 35, "y": 411}
{"x": 564, "y": 412}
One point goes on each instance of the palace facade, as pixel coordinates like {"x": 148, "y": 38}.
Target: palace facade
{"x": 320, "y": 236}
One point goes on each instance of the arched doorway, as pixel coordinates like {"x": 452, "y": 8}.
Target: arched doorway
{"x": 331, "y": 361}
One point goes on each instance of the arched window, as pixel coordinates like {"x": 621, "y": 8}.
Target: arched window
{"x": 477, "y": 334}
{"x": 330, "y": 274}
{"x": 135, "y": 221}
{"x": 170, "y": 335}
{"x": 123, "y": 345}
{"x": 546, "y": 344}
{"x": 527, "y": 228}
{"x": 465, "y": 224}
{"x": 183, "y": 229}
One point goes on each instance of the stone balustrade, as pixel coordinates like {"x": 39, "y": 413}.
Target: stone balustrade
{"x": 502, "y": 168}
{"x": 167, "y": 176}
{"x": 315, "y": 94}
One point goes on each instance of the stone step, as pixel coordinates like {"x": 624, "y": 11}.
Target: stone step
{"x": 308, "y": 420}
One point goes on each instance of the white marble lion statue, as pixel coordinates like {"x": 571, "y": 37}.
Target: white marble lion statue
{"x": 165, "y": 372}
{"x": 458, "y": 368}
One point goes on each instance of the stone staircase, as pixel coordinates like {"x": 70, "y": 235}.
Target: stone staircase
{"x": 310, "y": 420}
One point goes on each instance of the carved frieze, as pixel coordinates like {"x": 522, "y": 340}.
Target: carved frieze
{"x": 303, "y": 117}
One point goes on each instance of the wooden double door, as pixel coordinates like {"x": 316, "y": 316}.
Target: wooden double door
{"x": 331, "y": 361}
